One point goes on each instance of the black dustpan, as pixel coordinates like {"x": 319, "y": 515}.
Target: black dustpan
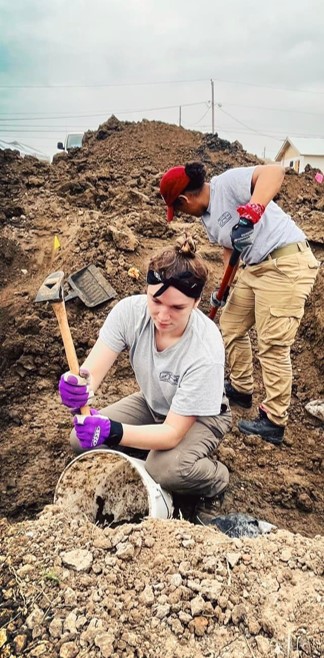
{"x": 90, "y": 286}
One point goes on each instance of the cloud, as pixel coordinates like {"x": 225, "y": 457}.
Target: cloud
{"x": 253, "y": 50}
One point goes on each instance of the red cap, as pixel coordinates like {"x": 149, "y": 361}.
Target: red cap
{"x": 172, "y": 184}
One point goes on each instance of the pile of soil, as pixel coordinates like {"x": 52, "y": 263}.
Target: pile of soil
{"x": 160, "y": 588}
{"x": 102, "y": 202}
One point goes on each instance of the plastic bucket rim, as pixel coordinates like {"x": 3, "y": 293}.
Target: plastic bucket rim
{"x": 146, "y": 479}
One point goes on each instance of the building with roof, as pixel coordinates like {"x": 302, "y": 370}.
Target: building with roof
{"x": 298, "y": 152}
{"x": 24, "y": 150}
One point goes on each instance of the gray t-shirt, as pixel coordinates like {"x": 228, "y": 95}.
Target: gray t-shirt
{"x": 186, "y": 378}
{"x": 232, "y": 189}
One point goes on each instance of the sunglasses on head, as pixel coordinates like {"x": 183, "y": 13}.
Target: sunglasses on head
{"x": 186, "y": 282}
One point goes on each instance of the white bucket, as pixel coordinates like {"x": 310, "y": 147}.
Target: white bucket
{"x": 115, "y": 482}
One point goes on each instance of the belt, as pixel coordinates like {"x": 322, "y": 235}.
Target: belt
{"x": 286, "y": 250}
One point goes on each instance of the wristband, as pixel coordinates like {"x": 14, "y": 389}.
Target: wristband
{"x": 115, "y": 434}
{"x": 251, "y": 211}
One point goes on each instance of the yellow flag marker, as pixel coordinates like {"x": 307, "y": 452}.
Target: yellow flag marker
{"x": 55, "y": 247}
{"x": 56, "y": 243}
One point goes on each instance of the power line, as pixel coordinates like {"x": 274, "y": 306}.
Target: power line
{"x": 251, "y": 84}
{"x": 203, "y": 116}
{"x": 156, "y": 83}
{"x": 107, "y": 84}
{"x": 273, "y": 109}
{"x": 107, "y": 112}
{"x": 245, "y": 125}
{"x": 30, "y": 116}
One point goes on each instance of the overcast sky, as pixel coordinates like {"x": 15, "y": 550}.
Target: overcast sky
{"x": 67, "y": 65}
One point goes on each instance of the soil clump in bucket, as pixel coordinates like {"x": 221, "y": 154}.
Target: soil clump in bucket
{"x": 103, "y": 487}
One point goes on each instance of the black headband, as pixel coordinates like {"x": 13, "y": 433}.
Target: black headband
{"x": 186, "y": 282}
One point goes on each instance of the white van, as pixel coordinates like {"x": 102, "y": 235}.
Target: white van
{"x": 72, "y": 141}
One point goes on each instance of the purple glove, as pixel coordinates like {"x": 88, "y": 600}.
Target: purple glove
{"x": 94, "y": 430}
{"x": 75, "y": 391}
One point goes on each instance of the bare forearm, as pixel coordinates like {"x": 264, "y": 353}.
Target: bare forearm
{"x": 150, "y": 437}
{"x": 266, "y": 182}
{"x": 165, "y": 436}
{"x": 98, "y": 362}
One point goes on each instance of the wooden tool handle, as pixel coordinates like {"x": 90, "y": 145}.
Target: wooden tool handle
{"x": 72, "y": 359}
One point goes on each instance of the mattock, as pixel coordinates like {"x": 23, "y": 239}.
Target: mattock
{"x": 52, "y": 291}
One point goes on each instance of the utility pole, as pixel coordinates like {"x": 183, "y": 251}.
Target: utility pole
{"x": 213, "y": 106}
{"x": 180, "y": 115}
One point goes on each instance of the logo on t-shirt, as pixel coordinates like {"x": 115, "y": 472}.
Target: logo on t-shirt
{"x": 166, "y": 376}
{"x": 224, "y": 218}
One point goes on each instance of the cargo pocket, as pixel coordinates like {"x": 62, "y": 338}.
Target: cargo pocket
{"x": 312, "y": 262}
{"x": 283, "y": 324}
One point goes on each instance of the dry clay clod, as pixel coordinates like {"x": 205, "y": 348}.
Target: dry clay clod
{"x": 104, "y": 487}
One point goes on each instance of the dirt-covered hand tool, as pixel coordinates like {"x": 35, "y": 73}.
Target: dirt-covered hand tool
{"x": 90, "y": 286}
{"x": 52, "y": 291}
{"x": 224, "y": 287}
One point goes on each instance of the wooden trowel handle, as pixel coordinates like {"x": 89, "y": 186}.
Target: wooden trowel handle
{"x": 72, "y": 359}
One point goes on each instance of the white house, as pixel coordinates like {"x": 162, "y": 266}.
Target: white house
{"x": 301, "y": 151}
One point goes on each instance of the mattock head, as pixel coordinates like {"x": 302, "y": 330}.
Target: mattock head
{"x": 52, "y": 288}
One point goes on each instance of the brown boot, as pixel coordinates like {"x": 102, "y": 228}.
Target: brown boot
{"x": 208, "y": 508}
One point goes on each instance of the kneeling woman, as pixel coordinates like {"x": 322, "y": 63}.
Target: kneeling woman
{"x": 180, "y": 414}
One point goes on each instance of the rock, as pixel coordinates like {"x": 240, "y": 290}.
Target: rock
{"x": 55, "y": 627}
{"x": 263, "y": 645}
{"x": 69, "y": 650}
{"x": 199, "y": 626}
{"x": 286, "y": 555}
{"x": 105, "y": 642}
{"x": 316, "y": 408}
{"x": 233, "y": 559}
{"x": 3, "y": 637}
{"x": 69, "y": 596}
{"x": 20, "y": 643}
{"x": 176, "y": 580}
{"x": 125, "y": 551}
{"x": 78, "y": 559}
{"x": 197, "y": 605}
{"x": 162, "y": 611}
{"x": 176, "y": 626}
{"x": 304, "y": 502}
{"x": 70, "y": 623}
{"x": 42, "y": 649}
{"x": 124, "y": 239}
{"x": 147, "y": 596}
{"x": 238, "y": 613}
{"x": 35, "y": 618}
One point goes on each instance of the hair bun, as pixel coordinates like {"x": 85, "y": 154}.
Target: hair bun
{"x": 186, "y": 245}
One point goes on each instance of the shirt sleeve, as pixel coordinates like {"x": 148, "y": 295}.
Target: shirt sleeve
{"x": 113, "y": 332}
{"x": 238, "y": 182}
{"x": 200, "y": 391}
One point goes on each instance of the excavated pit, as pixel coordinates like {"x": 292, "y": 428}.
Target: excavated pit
{"x": 104, "y": 205}
{"x": 104, "y": 487}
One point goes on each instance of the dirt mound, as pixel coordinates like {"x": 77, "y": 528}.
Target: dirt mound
{"x": 157, "y": 589}
{"x": 102, "y": 202}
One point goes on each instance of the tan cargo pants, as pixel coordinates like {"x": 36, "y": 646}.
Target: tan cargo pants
{"x": 191, "y": 467}
{"x": 272, "y": 296}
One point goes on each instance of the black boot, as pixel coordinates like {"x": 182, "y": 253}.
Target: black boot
{"x": 208, "y": 508}
{"x": 234, "y": 396}
{"x": 264, "y": 427}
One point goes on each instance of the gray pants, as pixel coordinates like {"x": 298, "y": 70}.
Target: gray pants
{"x": 189, "y": 468}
